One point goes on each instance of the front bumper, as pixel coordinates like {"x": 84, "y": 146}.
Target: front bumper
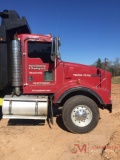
{"x": 109, "y": 107}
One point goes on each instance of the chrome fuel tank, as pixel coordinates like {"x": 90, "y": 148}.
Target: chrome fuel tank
{"x": 27, "y": 107}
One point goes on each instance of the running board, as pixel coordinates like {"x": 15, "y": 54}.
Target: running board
{"x": 24, "y": 117}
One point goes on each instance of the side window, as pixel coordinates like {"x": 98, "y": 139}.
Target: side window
{"x": 40, "y": 50}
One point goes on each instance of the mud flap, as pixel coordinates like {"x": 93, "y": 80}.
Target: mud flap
{"x": 51, "y": 110}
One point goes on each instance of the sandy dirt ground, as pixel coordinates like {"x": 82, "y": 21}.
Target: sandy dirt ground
{"x": 36, "y": 140}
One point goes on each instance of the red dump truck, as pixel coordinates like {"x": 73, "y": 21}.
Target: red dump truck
{"x": 34, "y": 79}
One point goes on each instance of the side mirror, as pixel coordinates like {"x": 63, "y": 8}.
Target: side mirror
{"x": 55, "y": 48}
{"x": 52, "y": 57}
{"x": 59, "y": 43}
{"x": 106, "y": 62}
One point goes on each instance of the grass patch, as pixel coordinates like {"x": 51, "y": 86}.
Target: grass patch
{"x": 116, "y": 80}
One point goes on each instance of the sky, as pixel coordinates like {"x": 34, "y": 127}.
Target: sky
{"x": 89, "y": 29}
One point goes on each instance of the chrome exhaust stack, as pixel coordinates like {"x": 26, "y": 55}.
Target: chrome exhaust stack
{"x": 16, "y": 66}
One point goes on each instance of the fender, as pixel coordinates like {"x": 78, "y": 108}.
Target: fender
{"x": 92, "y": 92}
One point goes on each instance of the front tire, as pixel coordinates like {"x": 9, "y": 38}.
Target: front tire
{"x": 80, "y": 114}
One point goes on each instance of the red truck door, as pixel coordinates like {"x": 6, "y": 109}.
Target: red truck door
{"x": 39, "y": 68}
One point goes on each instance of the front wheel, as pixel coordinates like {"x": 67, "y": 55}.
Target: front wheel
{"x": 80, "y": 114}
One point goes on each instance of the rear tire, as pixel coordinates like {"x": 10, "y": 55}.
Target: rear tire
{"x": 80, "y": 114}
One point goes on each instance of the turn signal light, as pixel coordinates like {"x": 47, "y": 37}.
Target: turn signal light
{"x": 78, "y": 81}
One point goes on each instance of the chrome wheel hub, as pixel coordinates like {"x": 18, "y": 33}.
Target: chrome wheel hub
{"x": 81, "y": 115}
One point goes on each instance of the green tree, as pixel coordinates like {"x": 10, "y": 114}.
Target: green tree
{"x": 117, "y": 67}
{"x": 99, "y": 63}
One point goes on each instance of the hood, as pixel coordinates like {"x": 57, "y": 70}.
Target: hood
{"x": 87, "y": 75}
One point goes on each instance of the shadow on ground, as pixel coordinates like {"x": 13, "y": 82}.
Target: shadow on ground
{"x": 25, "y": 122}
{"x": 60, "y": 123}
{"x": 58, "y": 114}
{"x": 30, "y": 122}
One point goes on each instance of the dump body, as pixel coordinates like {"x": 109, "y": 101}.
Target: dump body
{"x": 11, "y": 24}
